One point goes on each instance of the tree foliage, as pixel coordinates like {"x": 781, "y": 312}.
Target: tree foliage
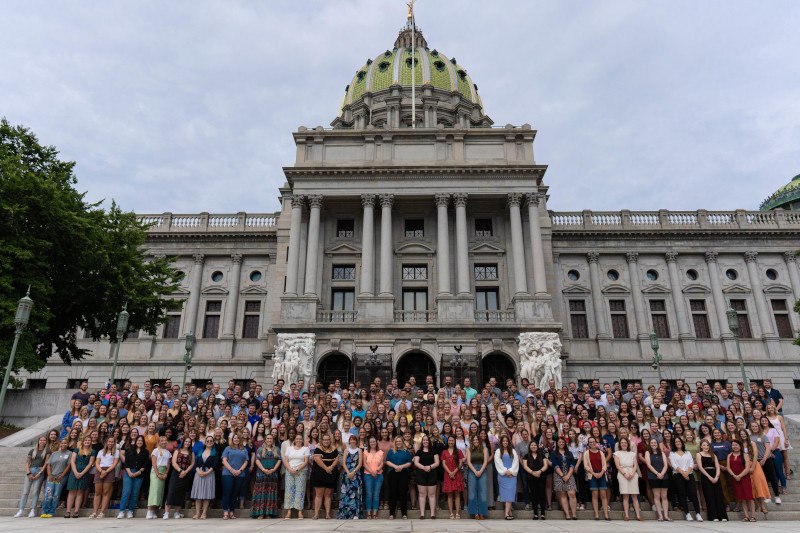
{"x": 82, "y": 262}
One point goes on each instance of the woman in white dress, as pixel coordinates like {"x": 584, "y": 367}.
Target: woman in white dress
{"x": 628, "y": 477}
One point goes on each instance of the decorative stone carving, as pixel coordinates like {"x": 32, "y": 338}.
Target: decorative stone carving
{"x": 540, "y": 358}
{"x": 533, "y": 198}
{"x": 367, "y": 200}
{"x": 514, "y": 199}
{"x": 294, "y": 357}
{"x": 442, "y": 199}
{"x": 387, "y": 200}
{"x": 672, "y": 256}
{"x": 297, "y": 200}
{"x": 236, "y": 259}
{"x": 593, "y": 257}
{"x": 460, "y": 199}
{"x": 632, "y": 257}
{"x": 790, "y": 257}
{"x": 199, "y": 259}
{"x": 711, "y": 257}
{"x": 315, "y": 200}
{"x": 750, "y": 256}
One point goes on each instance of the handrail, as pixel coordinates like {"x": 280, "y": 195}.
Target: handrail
{"x": 677, "y": 220}
{"x": 182, "y": 223}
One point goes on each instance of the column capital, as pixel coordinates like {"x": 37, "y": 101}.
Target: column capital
{"x": 593, "y": 257}
{"x": 790, "y": 257}
{"x": 315, "y": 201}
{"x": 236, "y": 259}
{"x": 368, "y": 200}
{"x": 632, "y": 257}
{"x": 199, "y": 259}
{"x": 672, "y": 256}
{"x": 297, "y": 200}
{"x": 533, "y": 198}
{"x": 442, "y": 199}
{"x": 460, "y": 199}
{"x": 750, "y": 256}
{"x": 514, "y": 199}
{"x": 711, "y": 257}
{"x": 387, "y": 200}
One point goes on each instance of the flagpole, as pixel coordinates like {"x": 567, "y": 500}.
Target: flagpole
{"x": 413, "y": 67}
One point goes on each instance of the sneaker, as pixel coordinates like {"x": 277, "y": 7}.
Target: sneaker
{"x": 177, "y": 515}
{"x": 698, "y": 517}
{"x": 120, "y": 515}
{"x": 31, "y": 514}
{"x": 150, "y": 515}
{"x": 689, "y": 517}
{"x": 767, "y": 500}
{"x": 19, "y": 514}
{"x": 724, "y": 519}
{"x": 654, "y": 508}
{"x": 716, "y": 520}
{"x": 130, "y": 514}
{"x": 166, "y": 516}
{"x": 778, "y": 500}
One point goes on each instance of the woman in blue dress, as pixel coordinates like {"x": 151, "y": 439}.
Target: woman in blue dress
{"x": 351, "y": 502}
{"x": 506, "y": 463}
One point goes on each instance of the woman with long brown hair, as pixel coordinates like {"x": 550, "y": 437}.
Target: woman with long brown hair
{"x": 506, "y": 463}
{"x": 105, "y": 464}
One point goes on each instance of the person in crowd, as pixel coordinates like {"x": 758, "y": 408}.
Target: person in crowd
{"x": 506, "y": 464}
{"x": 324, "y": 474}
{"x": 267, "y": 480}
{"x": 206, "y": 464}
{"x": 34, "y": 476}
{"x": 105, "y": 466}
{"x": 56, "y": 470}
{"x": 477, "y": 478}
{"x": 564, "y": 483}
{"x": 351, "y": 492}
{"x": 536, "y": 464}
{"x": 398, "y": 464}
{"x": 657, "y": 467}
{"x": 234, "y": 464}
{"x": 710, "y": 472}
{"x": 453, "y": 485}
{"x": 374, "y": 459}
{"x": 683, "y": 465}
{"x": 595, "y": 465}
{"x": 426, "y": 462}
{"x": 81, "y": 464}
{"x": 295, "y": 460}
{"x": 180, "y": 481}
{"x": 739, "y": 467}
{"x": 628, "y": 475}
{"x": 160, "y": 461}
{"x": 135, "y": 461}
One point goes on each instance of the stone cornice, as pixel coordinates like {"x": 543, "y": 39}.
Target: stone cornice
{"x": 417, "y": 172}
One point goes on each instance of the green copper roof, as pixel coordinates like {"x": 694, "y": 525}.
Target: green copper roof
{"x": 785, "y": 195}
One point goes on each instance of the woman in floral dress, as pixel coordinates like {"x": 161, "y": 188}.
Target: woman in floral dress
{"x": 453, "y": 485}
{"x": 265, "y": 489}
{"x": 351, "y": 503}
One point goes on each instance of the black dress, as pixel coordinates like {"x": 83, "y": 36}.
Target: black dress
{"x": 536, "y": 485}
{"x": 424, "y": 478}
{"x": 179, "y": 486}
{"x": 319, "y": 476}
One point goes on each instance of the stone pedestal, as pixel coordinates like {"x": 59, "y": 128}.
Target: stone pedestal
{"x": 299, "y": 309}
{"x": 455, "y": 308}
{"x": 375, "y": 309}
{"x": 533, "y": 308}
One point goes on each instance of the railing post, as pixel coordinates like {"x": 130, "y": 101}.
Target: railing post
{"x": 702, "y": 218}
{"x": 625, "y": 218}
{"x": 241, "y": 219}
{"x": 204, "y": 220}
{"x": 741, "y": 218}
{"x": 780, "y": 217}
{"x": 166, "y": 221}
{"x": 663, "y": 219}
{"x": 587, "y": 218}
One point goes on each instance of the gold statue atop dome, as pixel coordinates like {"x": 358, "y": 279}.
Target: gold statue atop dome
{"x": 410, "y": 5}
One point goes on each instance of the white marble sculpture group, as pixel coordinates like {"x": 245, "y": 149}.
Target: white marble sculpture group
{"x": 294, "y": 357}
{"x": 540, "y": 358}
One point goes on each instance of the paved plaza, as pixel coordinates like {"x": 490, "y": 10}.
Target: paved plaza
{"x": 368, "y": 526}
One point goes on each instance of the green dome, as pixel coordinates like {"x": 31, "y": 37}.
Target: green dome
{"x": 786, "y": 197}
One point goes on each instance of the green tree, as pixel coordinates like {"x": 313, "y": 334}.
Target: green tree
{"x": 82, "y": 262}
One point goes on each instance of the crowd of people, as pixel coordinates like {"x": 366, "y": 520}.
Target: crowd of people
{"x": 350, "y": 451}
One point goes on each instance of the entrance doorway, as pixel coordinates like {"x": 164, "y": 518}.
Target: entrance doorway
{"x": 335, "y": 366}
{"x": 417, "y": 364}
{"x": 499, "y": 366}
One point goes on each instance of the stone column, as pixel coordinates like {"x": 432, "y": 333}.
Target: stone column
{"x": 462, "y": 253}
{"x": 442, "y": 243}
{"x": 312, "y": 252}
{"x": 386, "y": 244}
{"x": 193, "y": 304}
{"x": 636, "y": 294}
{"x": 794, "y": 275}
{"x": 716, "y": 293}
{"x": 517, "y": 245}
{"x": 537, "y": 249}
{"x": 368, "y": 246}
{"x": 597, "y": 296}
{"x": 232, "y": 304}
{"x": 764, "y": 318}
{"x": 293, "y": 262}
{"x": 677, "y": 295}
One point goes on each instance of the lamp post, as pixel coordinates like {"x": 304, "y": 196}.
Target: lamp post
{"x": 187, "y": 358}
{"x": 733, "y": 325}
{"x": 373, "y": 363}
{"x": 122, "y": 328}
{"x": 656, "y": 354}
{"x": 20, "y": 321}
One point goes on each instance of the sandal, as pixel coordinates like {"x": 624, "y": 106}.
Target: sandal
{"x": 67, "y": 515}
{"x": 458, "y": 516}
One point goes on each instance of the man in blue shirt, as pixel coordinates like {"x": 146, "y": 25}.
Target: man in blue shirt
{"x": 471, "y": 393}
{"x": 358, "y": 410}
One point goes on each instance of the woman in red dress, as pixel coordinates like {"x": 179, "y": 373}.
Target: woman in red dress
{"x": 453, "y": 484}
{"x": 739, "y": 468}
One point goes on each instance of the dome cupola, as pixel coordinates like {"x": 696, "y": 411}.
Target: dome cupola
{"x": 786, "y": 197}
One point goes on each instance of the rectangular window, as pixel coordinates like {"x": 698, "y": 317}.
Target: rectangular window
{"x": 781, "y": 312}
{"x": 37, "y": 383}
{"x": 74, "y": 383}
{"x": 485, "y": 272}
{"x": 700, "y": 319}
{"x": 486, "y": 299}
{"x": 345, "y": 228}
{"x": 658, "y": 313}
{"x": 344, "y": 272}
{"x": 252, "y": 317}
{"x": 577, "y": 319}
{"x": 483, "y": 227}
{"x": 415, "y": 273}
{"x": 740, "y": 306}
{"x": 619, "y": 319}
{"x": 415, "y": 227}
{"x": 415, "y": 300}
{"x": 211, "y": 320}
{"x": 343, "y": 299}
{"x": 172, "y": 326}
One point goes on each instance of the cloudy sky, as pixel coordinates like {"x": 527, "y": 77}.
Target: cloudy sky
{"x": 188, "y": 106}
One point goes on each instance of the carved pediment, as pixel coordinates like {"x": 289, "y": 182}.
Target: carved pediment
{"x": 254, "y": 290}
{"x": 343, "y": 249}
{"x": 736, "y": 289}
{"x": 414, "y": 247}
{"x": 214, "y": 290}
{"x": 696, "y": 288}
{"x": 615, "y": 288}
{"x": 180, "y": 292}
{"x": 576, "y": 289}
{"x": 486, "y": 248}
{"x": 656, "y": 289}
{"x": 777, "y": 288}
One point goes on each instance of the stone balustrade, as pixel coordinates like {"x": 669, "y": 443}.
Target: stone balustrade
{"x": 415, "y": 316}
{"x": 205, "y": 222}
{"x": 328, "y": 315}
{"x": 673, "y": 220}
{"x": 495, "y": 316}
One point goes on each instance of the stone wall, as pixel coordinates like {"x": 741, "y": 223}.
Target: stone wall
{"x": 28, "y": 406}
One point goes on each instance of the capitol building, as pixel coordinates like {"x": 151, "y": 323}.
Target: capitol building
{"x": 414, "y": 238}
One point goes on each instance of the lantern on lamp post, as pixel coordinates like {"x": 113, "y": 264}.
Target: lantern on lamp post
{"x": 21, "y": 319}
{"x": 122, "y": 328}
{"x": 733, "y": 325}
{"x": 656, "y": 354}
